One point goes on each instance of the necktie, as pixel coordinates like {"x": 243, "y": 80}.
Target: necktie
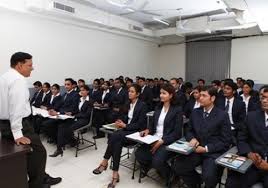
{"x": 65, "y": 96}
{"x": 227, "y": 106}
{"x": 205, "y": 114}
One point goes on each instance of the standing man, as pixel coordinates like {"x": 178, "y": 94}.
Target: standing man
{"x": 15, "y": 121}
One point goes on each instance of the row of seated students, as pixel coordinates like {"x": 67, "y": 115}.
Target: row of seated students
{"x": 216, "y": 122}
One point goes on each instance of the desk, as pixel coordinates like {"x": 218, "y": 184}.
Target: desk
{"x": 13, "y": 172}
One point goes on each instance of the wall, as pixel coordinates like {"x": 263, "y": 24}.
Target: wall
{"x": 249, "y": 58}
{"x": 61, "y": 50}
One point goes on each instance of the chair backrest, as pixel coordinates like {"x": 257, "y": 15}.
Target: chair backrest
{"x": 91, "y": 117}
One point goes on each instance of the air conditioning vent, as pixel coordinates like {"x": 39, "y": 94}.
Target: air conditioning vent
{"x": 63, "y": 7}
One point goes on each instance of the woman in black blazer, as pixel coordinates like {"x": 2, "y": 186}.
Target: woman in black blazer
{"x": 248, "y": 98}
{"x": 193, "y": 102}
{"x": 167, "y": 125}
{"x": 134, "y": 121}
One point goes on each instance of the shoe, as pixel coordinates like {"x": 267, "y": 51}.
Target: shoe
{"x": 100, "y": 169}
{"x": 52, "y": 181}
{"x": 45, "y": 186}
{"x": 144, "y": 172}
{"x": 114, "y": 182}
{"x": 57, "y": 153}
{"x": 99, "y": 136}
{"x": 74, "y": 143}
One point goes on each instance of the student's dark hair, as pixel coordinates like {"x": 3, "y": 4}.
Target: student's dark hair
{"x": 137, "y": 88}
{"x": 142, "y": 78}
{"x": 198, "y": 88}
{"x": 47, "y": 84}
{"x": 162, "y": 79}
{"x": 102, "y": 79}
{"x": 216, "y": 82}
{"x": 85, "y": 87}
{"x": 180, "y": 78}
{"x": 188, "y": 85}
{"x": 171, "y": 90}
{"x": 69, "y": 80}
{"x": 37, "y": 83}
{"x": 228, "y": 80}
{"x": 239, "y": 78}
{"x": 130, "y": 80}
{"x": 177, "y": 81}
{"x": 264, "y": 88}
{"x": 231, "y": 84}
{"x": 19, "y": 57}
{"x": 108, "y": 83}
{"x": 81, "y": 80}
{"x": 201, "y": 80}
{"x": 248, "y": 83}
{"x": 56, "y": 86}
{"x": 120, "y": 80}
{"x": 251, "y": 81}
{"x": 111, "y": 79}
{"x": 156, "y": 79}
{"x": 74, "y": 82}
{"x": 97, "y": 80}
{"x": 211, "y": 90}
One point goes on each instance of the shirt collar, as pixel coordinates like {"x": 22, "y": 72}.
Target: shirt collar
{"x": 82, "y": 99}
{"x": 70, "y": 91}
{"x": 208, "y": 110}
{"x": 57, "y": 95}
{"x": 14, "y": 71}
{"x": 47, "y": 92}
{"x": 231, "y": 100}
{"x": 266, "y": 116}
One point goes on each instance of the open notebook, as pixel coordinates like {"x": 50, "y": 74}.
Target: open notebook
{"x": 44, "y": 113}
{"x": 181, "y": 147}
{"x": 149, "y": 139}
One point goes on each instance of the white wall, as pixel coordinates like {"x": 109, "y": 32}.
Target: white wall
{"x": 171, "y": 61}
{"x": 249, "y": 58}
{"x": 61, "y": 50}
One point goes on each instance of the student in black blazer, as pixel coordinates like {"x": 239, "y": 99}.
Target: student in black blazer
{"x": 46, "y": 94}
{"x": 193, "y": 102}
{"x": 95, "y": 93}
{"x": 133, "y": 121}
{"x": 146, "y": 93}
{"x": 181, "y": 85}
{"x": 100, "y": 115}
{"x": 69, "y": 107}
{"x": 82, "y": 118}
{"x": 235, "y": 108}
{"x": 249, "y": 99}
{"x": 181, "y": 99}
{"x": 209, "y": 132}
{"x": 118, "y": 100}
{"x": 37, "y": 98}
{"x": 167, "y": 125}
{"x": 253, "y": 143}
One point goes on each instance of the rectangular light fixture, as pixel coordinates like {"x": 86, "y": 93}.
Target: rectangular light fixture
{"x": 161, "y": 21}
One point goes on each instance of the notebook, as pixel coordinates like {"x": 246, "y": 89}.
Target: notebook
{"x": 111, "y": 126}
{"x": 181, "y": 147}
{"x": 149, "y": 139}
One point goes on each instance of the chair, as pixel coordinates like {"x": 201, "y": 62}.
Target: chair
{"x": 258, "y": 185}
{"x": 80, "y": 139}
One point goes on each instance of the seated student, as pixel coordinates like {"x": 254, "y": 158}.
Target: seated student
{"x": 217, "y": 85}
{"x": 66, "y": 128}
{"x": 102, "y": 80}
{"x": 112, "y": 88}
{"x": 146, "y": 93}
{"x": 239, "y": 82}
{"x": 118, "y": 100}
{"x": 75, "y": 86}
{"x": 156, "y": 92}
{"x": 181, "y": 85}
{"x": 194, "y": 102}
{"x": 95, "y": 93}
{"x": 56, "y": 100}
{"x": 181, "y": 99}
{"x": 249, "y": 100}
{"x": 254, "y": 93}
{"x": 81, "y": 83}
{"x": 69, "y": 107}
{"x": 253, "y": 143}
{"x": 235, "y": 108}
{"x": 101, "y": 116}
{"x": 129, "y": 83}
{"x": 210, "y": 133}
{"x": 201, "y": 82}
{"x": 167, "y": 125}
{"x": 188, "y": 89}
{"x": 46, "y": 94}
{"x": 37, "y": 98}
{"x": 134, "y": 121}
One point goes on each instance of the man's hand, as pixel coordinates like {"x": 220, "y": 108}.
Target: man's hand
{"x": 120, "y": 124}
{"x": 200, "y": 150}
{"x": 194, "y": 142}
{"x": 144, "y": 133}
{"x": 68, "y": 113}
{"x": 263, "y": 165}
{"x": 23, "y": 140}
{"x": 156, "y": 146}
{"x": 255, "y": 157}
{"x": 52, "y": 112}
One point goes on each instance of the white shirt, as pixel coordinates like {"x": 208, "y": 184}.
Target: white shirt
{"x": 82, "y": 101}
{"x": 131, "y": 111}
{"x": 119, "y": 90}
{"x": 14, "y": 100}
{"x": 104, "y": 94}
{"x": 52, "y": 97}
{"x": 196, "y": 105}
{"x": 160, "y": 124}
{"x": 245, "y": 100}
{"x": 266, "y": 119}
{"x": 44, "y": 95}
{"x": 142, "y": 89}
{"x": 230, "y": 109}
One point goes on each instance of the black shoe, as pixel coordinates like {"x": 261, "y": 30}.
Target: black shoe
{"x": 100, "y": 169}
{"x": 57, "y": 153}
{"x": 99, "y": 136}
{"x": 144, "y": 172}
{"x": 45, "y": 186}
{"x": 52, "y": 181}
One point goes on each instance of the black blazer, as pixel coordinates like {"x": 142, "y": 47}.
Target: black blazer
{"x": 95, "y": 95}
{"x": 213, "y": 132}
{"x": 107, "y": 99}
{"x": 238, "y": 111}
{"x": 147, "y": 97}
{"x": 182, "y": 88}
{"x": 173, "y": 124}
{"x": 56, "y": 103}
{"x": 70, "y": 104}
{"x": 36, "y": 101}
{"x": 47, "y": 99}
{"x": 253, "y": 137}
{"x": 118, "y": 100}
{"x": 181, "y": 99}
{"x": 138, "y": 121}
{"x": 252, "y": 103}
{"x": 83, "y": 115}
{"x": 189, "y": 107}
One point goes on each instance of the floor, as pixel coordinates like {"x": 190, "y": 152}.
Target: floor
{"x": 77, "y": 171}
